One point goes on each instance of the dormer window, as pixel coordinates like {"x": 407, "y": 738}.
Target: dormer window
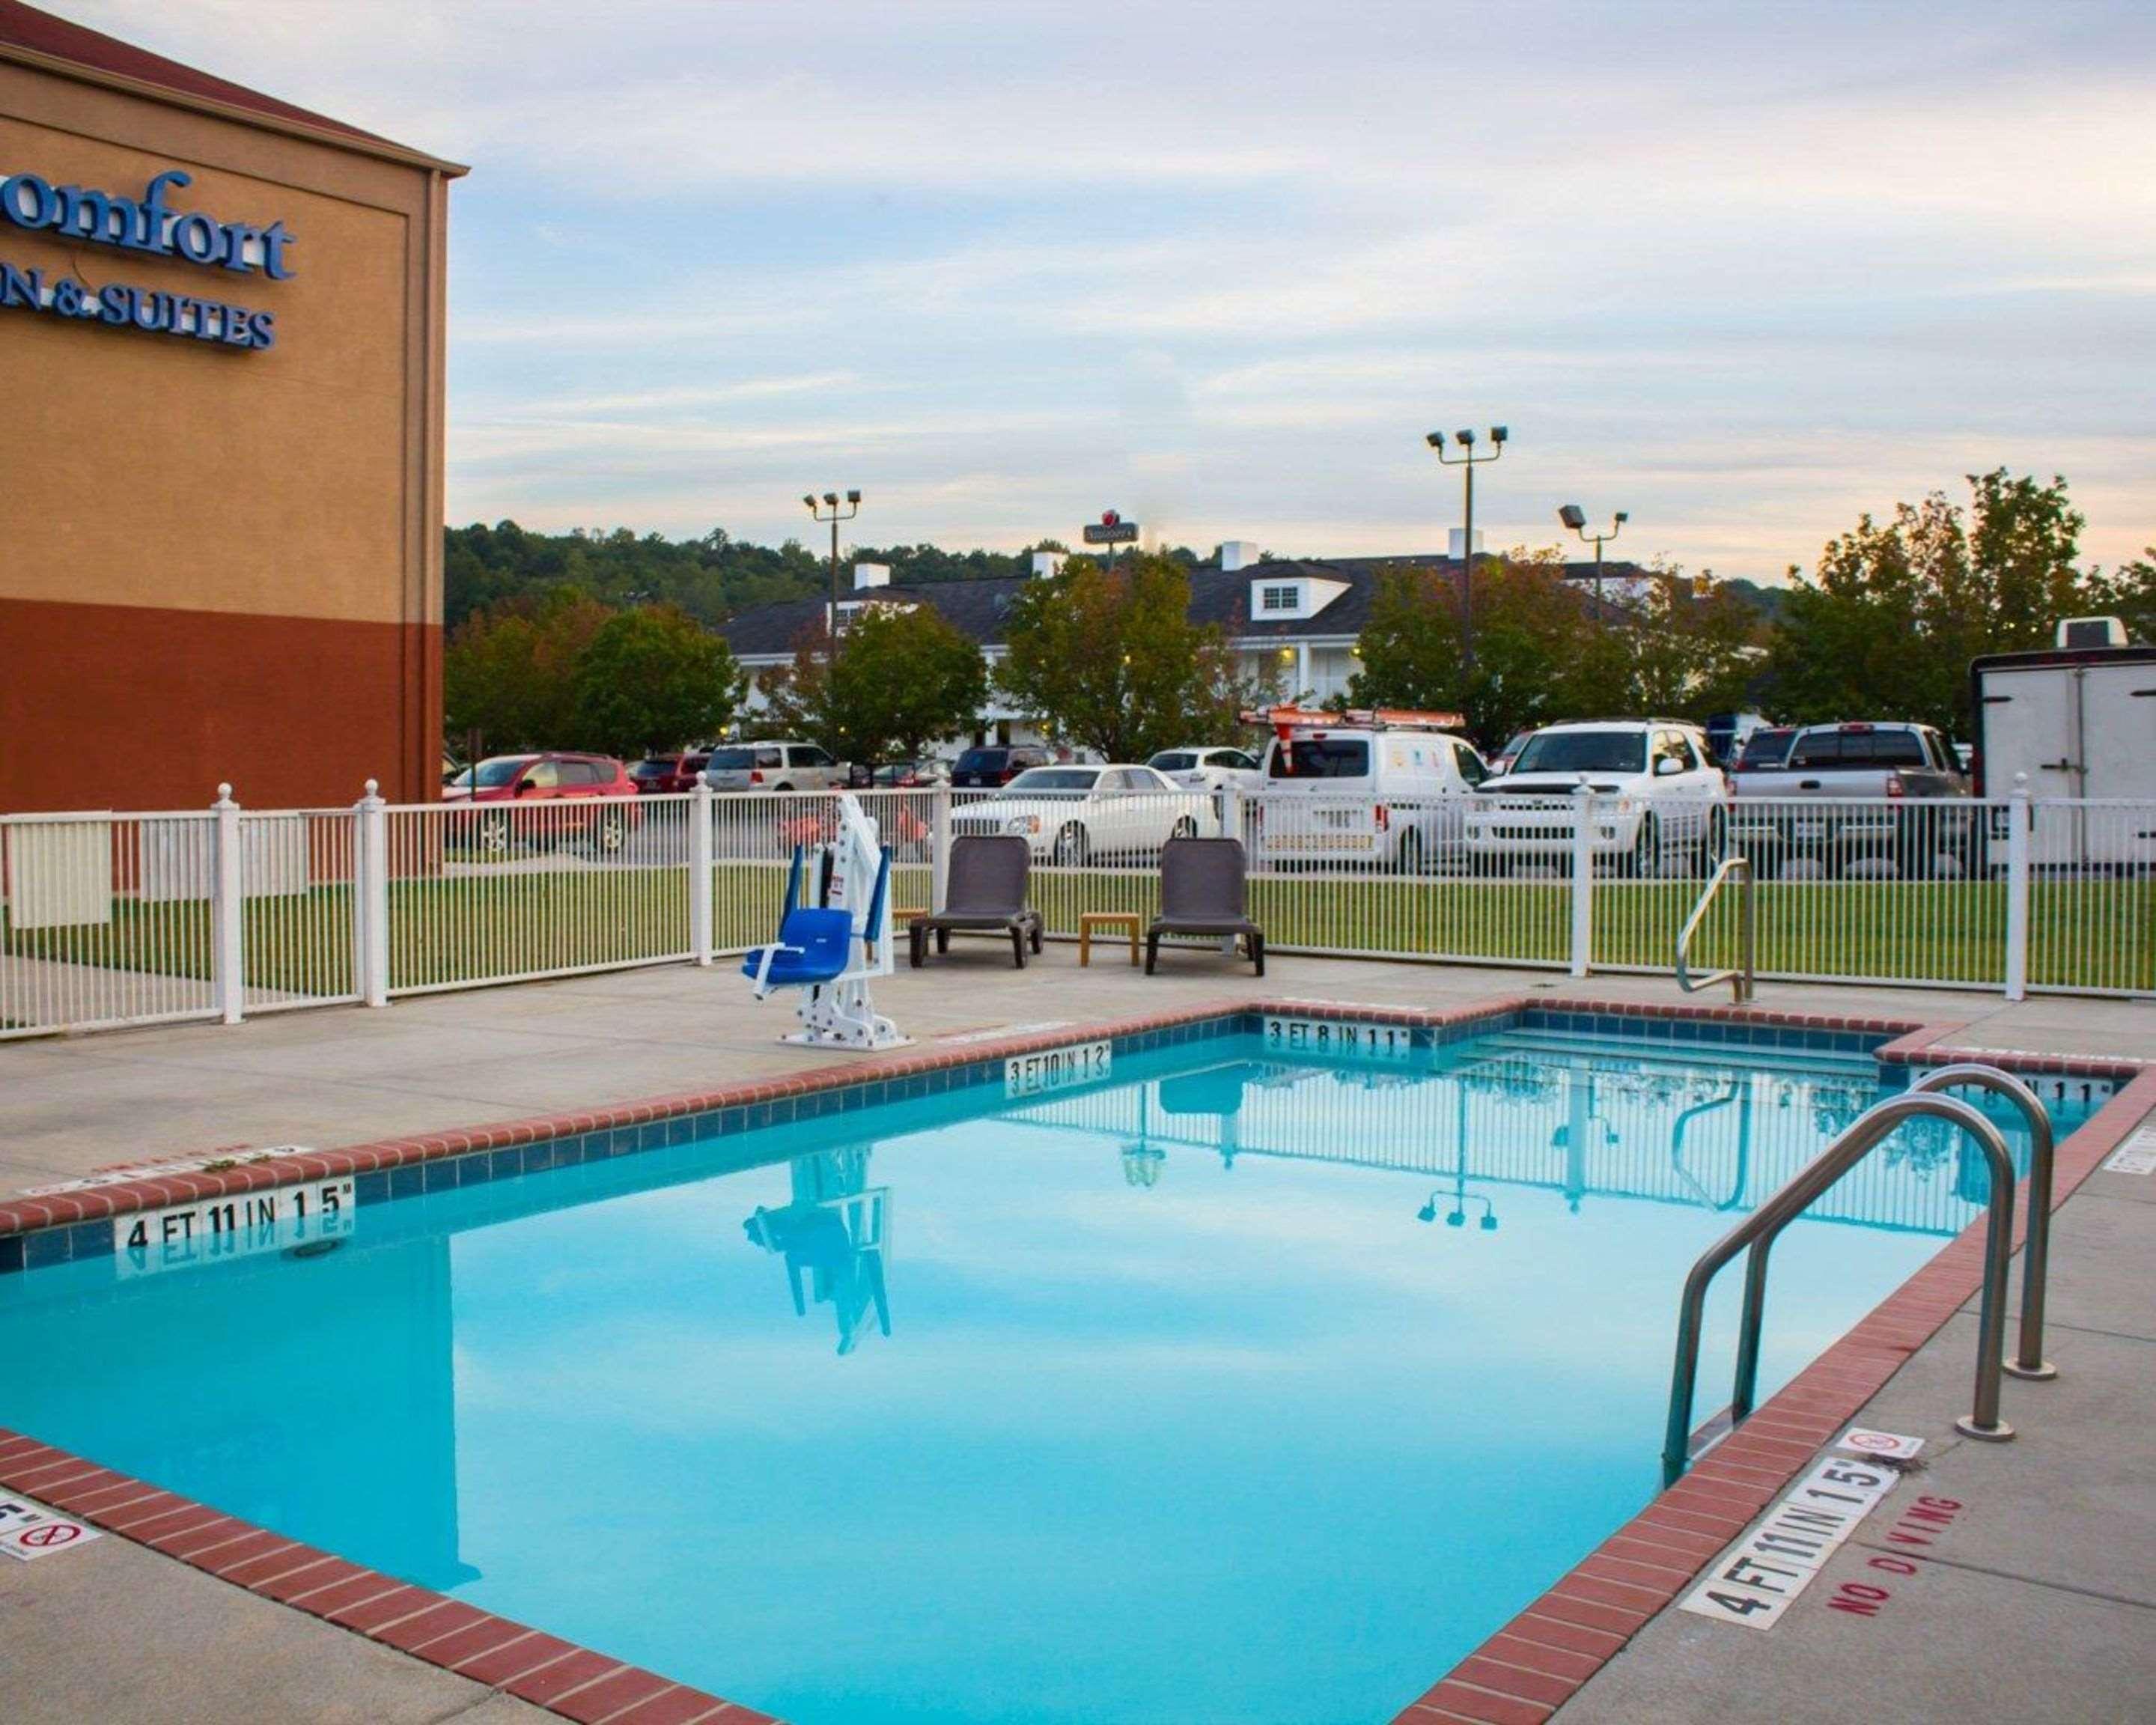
{"x": 1276, "y": 597}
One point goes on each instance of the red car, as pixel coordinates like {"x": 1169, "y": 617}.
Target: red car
{"x": 657, "y": 774}
{"x": 512, "y": 794}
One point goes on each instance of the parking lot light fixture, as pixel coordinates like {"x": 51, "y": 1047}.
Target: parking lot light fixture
{"x": 833, "y": 514}
{"x": 1468, "y": 459}
{"x": 1574, "y": 517}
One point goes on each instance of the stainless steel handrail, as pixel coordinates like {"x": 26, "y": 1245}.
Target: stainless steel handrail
{"x": 1758, "y": 1231}
{"x": 1742, "y": 980}
{"x": 2028, "y": 1361}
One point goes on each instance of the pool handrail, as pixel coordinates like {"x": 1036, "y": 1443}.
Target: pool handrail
{"x": 2028, "y": 1361}
{"x": 1742, "y": 978}
{"x": 1759, "y": 1229}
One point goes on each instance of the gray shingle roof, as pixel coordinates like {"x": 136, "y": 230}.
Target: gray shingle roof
{"x": 1218, "y": 596}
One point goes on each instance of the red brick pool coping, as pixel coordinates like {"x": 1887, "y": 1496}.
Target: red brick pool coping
{"x": 1517, "y": 1677}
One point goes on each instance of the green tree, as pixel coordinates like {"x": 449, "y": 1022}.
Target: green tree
{"x": 509, "y": 673}
{"x": 1895, "y": 613}
{"x": 2129, "y": 594}
{"x": 903, "y": 677}
{"x": 653, "y": 679}
{"x": 1110, "y": 658}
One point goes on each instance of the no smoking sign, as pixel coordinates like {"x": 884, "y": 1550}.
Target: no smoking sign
{"x": 29, "y": 1530}
{"x": 1887, "y": 1445}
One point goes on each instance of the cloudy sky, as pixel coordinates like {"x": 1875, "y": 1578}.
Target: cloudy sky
{"x": 1744, "y": 270}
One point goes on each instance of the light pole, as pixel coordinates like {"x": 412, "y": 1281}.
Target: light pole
{"x": 834, "y": 516}
{"x": 1468, "y": 459}
{"x": 1574, "y": 517}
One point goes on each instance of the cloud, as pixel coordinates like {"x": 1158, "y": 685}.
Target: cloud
{"x": 1745, "y": 269}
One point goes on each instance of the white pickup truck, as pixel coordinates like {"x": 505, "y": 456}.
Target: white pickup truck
{"x": 1886, "y": 792}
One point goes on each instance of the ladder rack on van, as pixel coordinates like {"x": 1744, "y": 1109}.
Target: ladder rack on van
{"x": 1283, "y": 719}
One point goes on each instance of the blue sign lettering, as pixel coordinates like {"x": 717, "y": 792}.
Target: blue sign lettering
{"x": 149, "y": 225}
{"x": 146, "y": 225}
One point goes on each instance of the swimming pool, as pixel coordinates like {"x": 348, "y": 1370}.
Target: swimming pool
{"x": 1229, "y": 1381}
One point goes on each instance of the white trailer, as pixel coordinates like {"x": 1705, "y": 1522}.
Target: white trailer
{"x": 2080, "y": 723}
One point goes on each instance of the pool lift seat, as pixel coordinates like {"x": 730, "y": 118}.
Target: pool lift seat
{"x": 828, "y": 951}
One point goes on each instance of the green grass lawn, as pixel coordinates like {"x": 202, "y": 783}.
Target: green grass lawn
{"x": 488, "y": 923}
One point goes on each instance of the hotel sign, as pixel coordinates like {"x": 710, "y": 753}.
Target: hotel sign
{"x": 148, "y": 226}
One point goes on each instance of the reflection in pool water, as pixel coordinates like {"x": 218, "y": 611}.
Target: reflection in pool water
{"x": 1232, "y": 1388}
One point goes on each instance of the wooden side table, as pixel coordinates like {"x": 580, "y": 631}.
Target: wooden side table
{"x": 1129, "y": 921}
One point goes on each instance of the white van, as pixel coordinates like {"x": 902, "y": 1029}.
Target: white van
{"x": 1368, "y": 790}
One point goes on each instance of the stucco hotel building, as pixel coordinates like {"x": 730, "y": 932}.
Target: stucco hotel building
{"x": 221, "y": 379}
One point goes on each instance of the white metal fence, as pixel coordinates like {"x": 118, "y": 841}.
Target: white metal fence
{"x": 110, "y": 919}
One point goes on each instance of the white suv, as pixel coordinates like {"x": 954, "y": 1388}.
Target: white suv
{"x": 1656, "y": 797}
{"x": 773, "y": 766}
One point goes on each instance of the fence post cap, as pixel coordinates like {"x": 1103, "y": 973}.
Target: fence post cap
{"x": 224, "y": 796}
{"x": 374, "y": 787}
{"x": 2020, "y": 784}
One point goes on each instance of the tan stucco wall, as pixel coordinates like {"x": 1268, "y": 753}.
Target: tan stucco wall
{"x": 298, "y": 485}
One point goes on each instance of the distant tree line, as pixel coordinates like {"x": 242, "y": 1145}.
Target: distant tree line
{"x": 606, "y": 640}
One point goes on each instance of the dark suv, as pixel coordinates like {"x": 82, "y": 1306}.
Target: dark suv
{"x": 996, "y": 764}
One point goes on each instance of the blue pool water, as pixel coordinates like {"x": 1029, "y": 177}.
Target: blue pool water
{"x": 1230, "y": 1388}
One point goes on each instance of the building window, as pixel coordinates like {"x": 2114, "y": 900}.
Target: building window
{"x": 1279, "y": 599}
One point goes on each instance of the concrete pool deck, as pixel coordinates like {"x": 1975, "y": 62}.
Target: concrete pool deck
{"x": 101, "y": 1633}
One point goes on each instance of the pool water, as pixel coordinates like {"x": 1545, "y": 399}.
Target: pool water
{"x": 1230, "y": 1388}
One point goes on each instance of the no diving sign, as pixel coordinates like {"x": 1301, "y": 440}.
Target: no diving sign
{"x": 29, "y": 1530}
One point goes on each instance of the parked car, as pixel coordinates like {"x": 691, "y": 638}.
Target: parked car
{"x": 657, "y": 774}
{"x": 773, "y": 766}
{"x": 1727, "y": 732}
{"x": 1765, "y": 750}
{"x": 1510, "y": 752}
{"x": 1209, "y": 769}
{"x": 996, "y": 763}
{"x": 1900, "y": 792}
{"x": 1385, "y": 791}
{"x": 546, "y": 799}
{"x": 457, "y": 784}
{"x": 1662, "y": 798}
{"x": 919, "y": 775}
{"x": 1069, "y": 815}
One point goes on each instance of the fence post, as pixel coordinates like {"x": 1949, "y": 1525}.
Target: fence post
{"x": 1229, "y": 808}
{"x": 2018, "y": 813}
{"x": 939, "y": 847}
{"x": 700, "y": 873}
{"x": 1582, "y": 878}
{"x": 228, "y": 913}
{"x": 371, "y": 896}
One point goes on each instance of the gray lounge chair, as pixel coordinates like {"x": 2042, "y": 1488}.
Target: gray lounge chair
{"x": 984, "y": 889}
{"x": 1201, "y": 892}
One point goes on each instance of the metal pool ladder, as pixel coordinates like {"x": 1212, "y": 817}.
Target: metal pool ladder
{"x": 1759, "y": 1231}
{"x": 1742, "y": 979}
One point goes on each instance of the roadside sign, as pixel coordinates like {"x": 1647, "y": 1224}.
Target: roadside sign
{"x": 1112, "y": 529}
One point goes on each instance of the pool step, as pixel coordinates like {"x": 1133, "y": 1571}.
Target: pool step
{"x": 1643, "y": 1051}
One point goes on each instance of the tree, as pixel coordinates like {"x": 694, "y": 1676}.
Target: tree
{"x": 1889, "y": 625}
{"x": 2129, "y": 594}
{"x": 509, "y": 673}
{"x": 1543, "y": 651}
{"x": 1110, "y": 658}
{"x": 653, "y": 679}
{"x": 903, "y": 677}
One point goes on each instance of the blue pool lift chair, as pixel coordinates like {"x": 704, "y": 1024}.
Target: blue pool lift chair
{"x": 829, "y": 951}
{"x": 814, "y": 946}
